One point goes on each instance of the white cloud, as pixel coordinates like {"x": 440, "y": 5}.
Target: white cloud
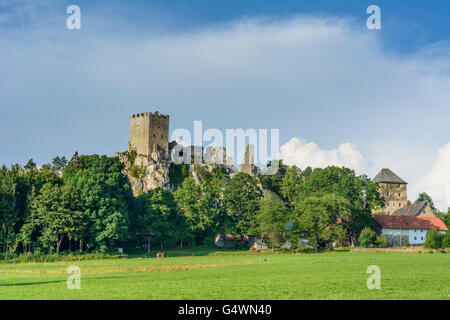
{"x": 304, "y": 154}
{"x": 437, "y": 181}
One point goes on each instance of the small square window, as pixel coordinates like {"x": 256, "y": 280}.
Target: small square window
{"x": 415, "y": 238}
{"x": 422, "y": 238}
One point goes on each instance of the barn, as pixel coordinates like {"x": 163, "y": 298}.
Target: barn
{"x": 400, "y": 230}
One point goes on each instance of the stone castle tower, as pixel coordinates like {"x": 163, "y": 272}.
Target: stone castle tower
{"x": 149, "y": 132}
{"x": 393, "y": 189}
{"x": 248, "y": 165}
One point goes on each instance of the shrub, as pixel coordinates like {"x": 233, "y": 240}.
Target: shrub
{"x": 367, "y": 237}
{"x": 37, "y": 257}
{"x": 434, "y": 239}
{"x": 304, "y": 250}
{"x": 446, "y": 240}
{"x": 381, "y": 241}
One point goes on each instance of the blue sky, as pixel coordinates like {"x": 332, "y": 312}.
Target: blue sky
{"x": 338, "y": 92}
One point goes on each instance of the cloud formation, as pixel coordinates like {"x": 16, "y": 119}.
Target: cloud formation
{"x": 437, "y": 181}
{"x": 320, "y": 78}
{"x": 304, "y": 154}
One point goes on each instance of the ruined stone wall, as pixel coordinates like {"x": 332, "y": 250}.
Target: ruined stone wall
{"x": 248, "y": 165}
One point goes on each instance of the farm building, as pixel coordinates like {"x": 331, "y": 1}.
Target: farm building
{"x": 234, "y": 240}
{"x": 400, "y": 230}
{"x": 418, "y": 209}
{"x": 230, "y": 240}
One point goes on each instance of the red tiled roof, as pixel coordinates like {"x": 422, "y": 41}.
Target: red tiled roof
{"x": 407, "y": 222}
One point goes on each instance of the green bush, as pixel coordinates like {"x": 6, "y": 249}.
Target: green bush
{"x": 305, "y": 250}
{"x": 434, "y": 239}
{"x": 367, "y": 237}
{"x": 68, "y": 256}
{"x": 381, "y": 241}
{"x": 446, "y": 240}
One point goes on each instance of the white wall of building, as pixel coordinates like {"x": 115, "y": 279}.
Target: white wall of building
{"x": 417, "y": 236}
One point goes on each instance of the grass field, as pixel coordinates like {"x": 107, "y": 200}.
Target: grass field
{"x": 235, "y": 275}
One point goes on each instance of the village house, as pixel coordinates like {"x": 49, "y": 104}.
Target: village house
{"x": 418, "y": 209}
{"x": 230, "y": 240}
{"x": 234, "y": 240}
{"x": 400, "y": 230}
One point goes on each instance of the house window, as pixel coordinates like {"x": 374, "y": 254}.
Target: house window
{"x": 399, "y": 204}
{"x": 399, "y": 194}
{"x": 422, "y": 238}
{"x": 415, "y": 238}
{"x": 388, "y": 193}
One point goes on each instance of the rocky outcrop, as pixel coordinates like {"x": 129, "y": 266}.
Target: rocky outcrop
{"x": 151, "y": 172}
{"x": 145, "y": 172}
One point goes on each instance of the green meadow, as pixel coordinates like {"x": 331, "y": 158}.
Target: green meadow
{"x": 234, "y": 275}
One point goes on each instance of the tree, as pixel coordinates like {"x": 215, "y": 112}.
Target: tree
{"x": 273, "y": 182}
{"x": 195, "y": 204}
{"x": 55, "y": 215}
{"x": 158, "y": 216}
{"x": 31, "y": 165}
{"x": 271, "y": 221}
{"x": 433, "y": 239}
{"x": 177, "y": 174}
{"x": 241, "y": 200}
{"x": 446, "y": 240}
{"x": 360, "y": 192}
{"x": 367, "y": 238}
{"x": 59, "y": 163}
{"x": 106, "y": 197}
{"x": 290, "y": 185}
{"x": 447, "y": 218}
{"x": 320, "y": 217}
{"x": 9, "y": 207}
{"x": 425, "y": 197}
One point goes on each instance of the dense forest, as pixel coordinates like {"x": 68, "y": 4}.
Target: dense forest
{"x": 87, "y": 205}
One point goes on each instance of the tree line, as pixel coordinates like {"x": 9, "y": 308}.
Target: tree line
{"x": 87, "y": 204}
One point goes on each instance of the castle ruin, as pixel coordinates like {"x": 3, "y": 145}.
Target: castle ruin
{"x": 149, "y": 133}
{"x": 149, "y": 156}
{"x": 248, "y": 165}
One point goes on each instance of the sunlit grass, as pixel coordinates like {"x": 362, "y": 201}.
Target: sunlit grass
{"x": 339, "y": 275}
